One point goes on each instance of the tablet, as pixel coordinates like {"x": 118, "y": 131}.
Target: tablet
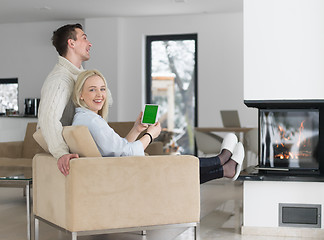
{"x": 150, "y": 114}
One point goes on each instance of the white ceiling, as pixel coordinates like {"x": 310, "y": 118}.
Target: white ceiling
{"x": 14, "y": 11}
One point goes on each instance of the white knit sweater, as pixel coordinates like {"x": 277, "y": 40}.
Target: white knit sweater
{"x": 56, "y": 107}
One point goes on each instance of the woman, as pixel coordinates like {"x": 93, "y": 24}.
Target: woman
{"x": 92, "y": 99}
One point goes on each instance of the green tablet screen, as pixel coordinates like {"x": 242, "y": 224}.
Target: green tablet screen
{"x": 150, "y": 113}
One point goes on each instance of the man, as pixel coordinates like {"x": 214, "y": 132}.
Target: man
{"x": 56, "y": 108}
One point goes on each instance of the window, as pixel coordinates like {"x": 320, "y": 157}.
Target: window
{"x": 171, "y": 82}
{"x": 8, "y": 94}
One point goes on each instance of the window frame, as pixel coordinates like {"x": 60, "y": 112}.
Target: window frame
{"x": 148, "y": 66}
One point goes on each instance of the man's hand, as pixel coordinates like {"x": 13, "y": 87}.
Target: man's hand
{"x": 63, "y": 163}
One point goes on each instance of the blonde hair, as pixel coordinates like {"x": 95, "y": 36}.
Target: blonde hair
{"x": 78, "y": 87}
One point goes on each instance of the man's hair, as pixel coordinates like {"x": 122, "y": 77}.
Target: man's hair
{"x": 62, "y": 35}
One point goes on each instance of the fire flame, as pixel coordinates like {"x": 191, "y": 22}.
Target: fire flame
{"x": 301, "y": 128}
{"x": 302, "y": 141}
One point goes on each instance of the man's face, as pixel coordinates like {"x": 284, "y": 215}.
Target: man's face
{"x": 82, "y": 45}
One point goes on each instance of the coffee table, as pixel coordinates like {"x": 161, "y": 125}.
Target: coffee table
{"x": 21, "y": 181}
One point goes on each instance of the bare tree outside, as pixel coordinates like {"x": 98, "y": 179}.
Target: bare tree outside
{"x": 173, "y": 72}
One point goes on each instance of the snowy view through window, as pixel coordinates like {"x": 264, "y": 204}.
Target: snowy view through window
{"x": 173, "y": 88}
{"x": 8, "y": 96}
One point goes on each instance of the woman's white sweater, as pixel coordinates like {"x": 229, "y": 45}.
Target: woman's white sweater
{"x": 56, "y": 107}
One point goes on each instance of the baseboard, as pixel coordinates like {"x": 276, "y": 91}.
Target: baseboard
{"x": 283, "y": 231}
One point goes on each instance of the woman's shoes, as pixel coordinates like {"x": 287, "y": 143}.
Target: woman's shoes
{"x": 229, "y": 142}
{"x": 238, "y": 156}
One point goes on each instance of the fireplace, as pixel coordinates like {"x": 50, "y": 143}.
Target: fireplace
{"x": 289, "y": 139}
{"x": 290, "y": 136}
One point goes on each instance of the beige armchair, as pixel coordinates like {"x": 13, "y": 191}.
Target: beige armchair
{"x": 114, "y": 194}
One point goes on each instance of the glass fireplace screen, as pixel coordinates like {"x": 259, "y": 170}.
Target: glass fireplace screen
{"x": 289, "y": 139}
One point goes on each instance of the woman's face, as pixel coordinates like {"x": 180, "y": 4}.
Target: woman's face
{"x": 94, "y": 93}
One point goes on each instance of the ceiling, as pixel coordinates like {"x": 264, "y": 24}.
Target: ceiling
{"x": 16, "y": 11}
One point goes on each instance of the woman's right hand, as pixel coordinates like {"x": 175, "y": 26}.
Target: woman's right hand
{"x": 154, "y": 130}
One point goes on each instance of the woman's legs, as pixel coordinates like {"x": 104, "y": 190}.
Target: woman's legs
{"x": 223, "y": 165}
{"x": 209, "y": 173}
{"x": 216, "y": 167}
{"x": 218, "y": 160}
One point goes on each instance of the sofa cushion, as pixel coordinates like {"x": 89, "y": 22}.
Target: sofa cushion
{"x": 15, "y": 162}
{"x": 121, "y": 128}
{"x": 78, "y": 138}
{"x": 11, "y": 149}
{"x": 30, "y": 147}
{"x": 40, "y": 140}
{"x": 15, "y": 166}
{"x": 80, "y": 141}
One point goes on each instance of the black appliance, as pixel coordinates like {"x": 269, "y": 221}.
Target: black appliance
{"x": 31, "y": 106}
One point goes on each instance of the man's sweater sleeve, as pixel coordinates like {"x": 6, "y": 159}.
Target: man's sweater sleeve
{"x": 55, "y": 96}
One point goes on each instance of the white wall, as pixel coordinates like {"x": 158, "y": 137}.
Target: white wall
{"x": 27, "y": 53}
{"x": 104, "y": 36}
{"x": 118, "y": 51}
{"x": 261, "y": 200}
{"x": 283, "y": 49}
{"x": 13, "y": 129}
{"x": 118, "y": 48}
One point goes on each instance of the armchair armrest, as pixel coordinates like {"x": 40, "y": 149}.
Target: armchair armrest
{"x": 11, "y": 149}
{"x": 117, "y": 192}
{"x": 48, "y": 189}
